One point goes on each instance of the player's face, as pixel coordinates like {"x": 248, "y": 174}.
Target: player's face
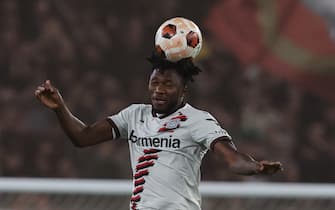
{"x": 166, "y": 90}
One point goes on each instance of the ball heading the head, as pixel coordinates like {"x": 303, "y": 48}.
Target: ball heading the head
{"x": 178, "y": 38}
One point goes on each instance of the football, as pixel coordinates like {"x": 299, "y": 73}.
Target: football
{"x": 178, "y": 38}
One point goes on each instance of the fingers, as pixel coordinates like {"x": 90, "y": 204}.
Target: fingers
{"x": 266, "y": 162}
{"x": 48, "y": 86}
{"x": 271, "y": 167}
{"x": 280, "y": 167}
{"x": 39, "y": 90}
{"x": 277, "y": 165}
{"x": 37, "y": 93}
{"x": 44, "y": 87}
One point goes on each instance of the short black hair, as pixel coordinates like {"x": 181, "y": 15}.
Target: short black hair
{"x": 184, "y": 67}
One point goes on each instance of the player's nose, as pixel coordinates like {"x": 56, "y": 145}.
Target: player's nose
{"x": 159, "y": 89}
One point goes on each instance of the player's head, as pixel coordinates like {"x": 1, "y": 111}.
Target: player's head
{"x": 168, "y": 82}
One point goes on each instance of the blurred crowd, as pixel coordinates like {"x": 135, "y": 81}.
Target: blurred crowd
{"x": 95, "y": 53}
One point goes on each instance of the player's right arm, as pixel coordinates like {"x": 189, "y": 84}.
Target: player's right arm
{"x": 80, "y": 133}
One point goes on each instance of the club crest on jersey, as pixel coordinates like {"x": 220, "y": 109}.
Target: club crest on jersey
{"x": 173, "y": 123}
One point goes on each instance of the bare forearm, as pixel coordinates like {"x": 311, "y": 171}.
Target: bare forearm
{"x": 83, "y": 135}
{"x": 80, "y": 133}
{"x": 72, "y": 126}
{"x": 244, "y": 165}
{"x": 239, "y": 163}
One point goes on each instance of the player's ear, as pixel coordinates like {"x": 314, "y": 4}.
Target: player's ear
{"x": 185, "y": 90}
{"x": 183, "y": 96}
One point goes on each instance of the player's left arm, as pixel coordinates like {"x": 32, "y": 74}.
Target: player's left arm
{"x": 241, "y": 163}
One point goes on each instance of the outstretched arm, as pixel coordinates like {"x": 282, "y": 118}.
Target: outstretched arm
{"x": 80, "y": 134}
{"x": 244, "y": 164}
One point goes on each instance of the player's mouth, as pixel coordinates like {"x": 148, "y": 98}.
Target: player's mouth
{"x": 159, "y": 101}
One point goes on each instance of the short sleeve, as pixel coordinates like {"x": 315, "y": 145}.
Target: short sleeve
{"x": 120, "y": 121}
{"x": 207, "y": 129}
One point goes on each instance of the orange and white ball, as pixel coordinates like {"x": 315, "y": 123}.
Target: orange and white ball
{"x": 178, "y": 38}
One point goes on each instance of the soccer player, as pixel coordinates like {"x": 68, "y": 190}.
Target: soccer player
{"x": 167, "y": 139}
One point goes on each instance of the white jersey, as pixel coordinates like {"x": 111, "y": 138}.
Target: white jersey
{"x": 166, "y": 154}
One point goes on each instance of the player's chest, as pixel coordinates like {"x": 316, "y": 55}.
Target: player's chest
{"x": 169, "y": 133}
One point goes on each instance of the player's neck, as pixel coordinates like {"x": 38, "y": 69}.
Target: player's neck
{"x": 163, "y": 115}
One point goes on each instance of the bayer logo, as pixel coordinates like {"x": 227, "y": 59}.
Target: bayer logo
{"x": 172, "y": 124}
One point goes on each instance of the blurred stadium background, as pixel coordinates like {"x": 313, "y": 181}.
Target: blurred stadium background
{"x": 268, "y": 77}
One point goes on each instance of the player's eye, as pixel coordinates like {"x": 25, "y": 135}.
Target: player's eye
{"x": 154, "y": 83}
{"x": 168, "y": 84}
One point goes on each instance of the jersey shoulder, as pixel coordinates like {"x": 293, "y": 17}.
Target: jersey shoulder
{"x": 138, "y": 110}
{"x": 138, "y": 107}
{"x": 198, "y": 114}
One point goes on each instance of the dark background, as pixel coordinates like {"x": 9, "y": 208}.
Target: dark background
{"x": 95, "y": 53}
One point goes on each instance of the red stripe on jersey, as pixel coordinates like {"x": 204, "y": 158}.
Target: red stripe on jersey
{"x": 163, "y": 129}
{"x": 151, "y": 151}
{"x": 145, "y": 161}
{"x": 147, "y": 157}
{"x": 134, "y": 205}
{"x": 141, "y": 173}
{"x": 139, "y": 182}
{"x": 181, "y": 117}
{"x": 136, "y": 198}
{"x": 138, "y": 190}
{"x": 144, "y": 165}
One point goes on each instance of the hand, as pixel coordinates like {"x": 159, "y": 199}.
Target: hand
{"x": 48, "y": 95}
{"x": 269, "y": 167}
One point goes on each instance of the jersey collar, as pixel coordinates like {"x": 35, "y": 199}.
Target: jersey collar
{"x": 161, "y": 116}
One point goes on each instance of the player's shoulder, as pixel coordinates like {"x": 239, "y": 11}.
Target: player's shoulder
{"x": 196, "y": 113}
{"x": 138, "y": 107}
